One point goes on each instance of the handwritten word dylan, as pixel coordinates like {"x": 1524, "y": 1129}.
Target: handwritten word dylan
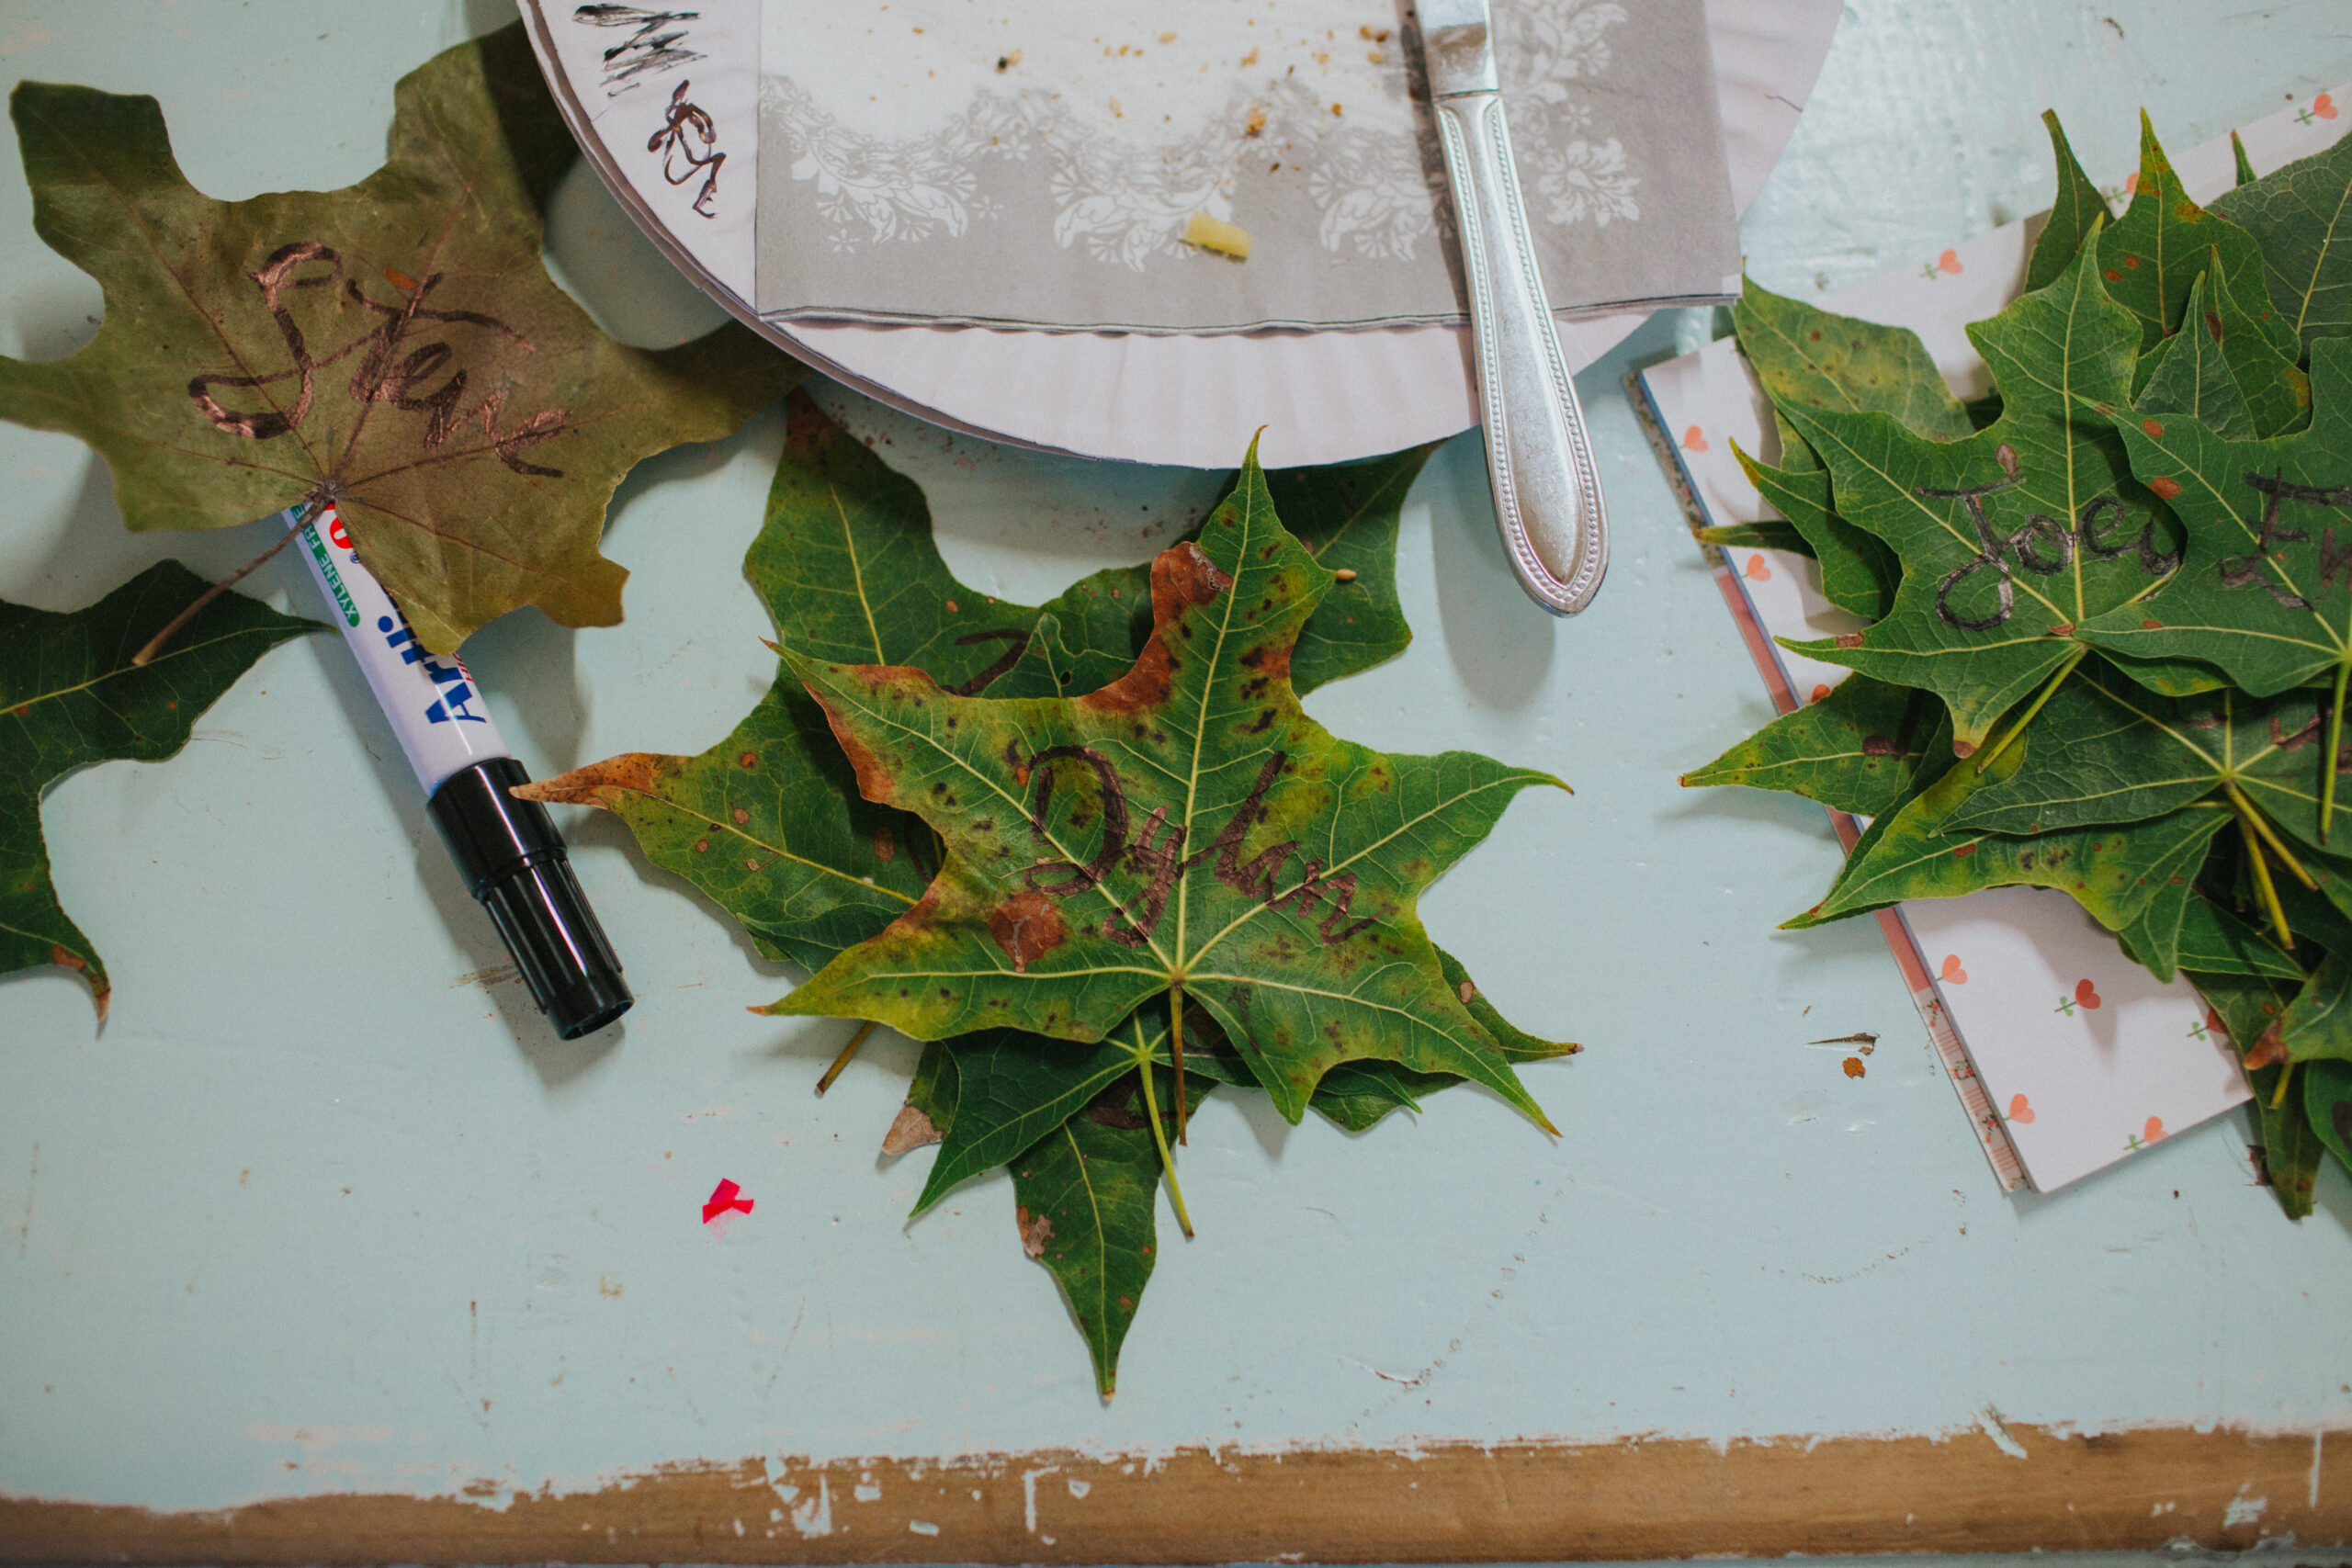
{"x": 1158, "y": 852}
{"x": 385, "y": 374}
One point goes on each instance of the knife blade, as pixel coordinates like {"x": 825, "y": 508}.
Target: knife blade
{"x": 1539, "y": 461}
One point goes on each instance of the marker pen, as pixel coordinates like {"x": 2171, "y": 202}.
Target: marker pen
{"x": 509, "y": 851}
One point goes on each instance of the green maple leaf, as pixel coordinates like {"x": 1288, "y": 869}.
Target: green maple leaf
{"x": 1085, "y": 1196}
{"x": 1859, "y": 750}
{"x": 2152, "y": 256}
{"x": 2110, "y": 752}
{"x": 769, "y": 824}
{"x": 1187, "y": 828}
{"x": 1805, "y": 355}
{"x": 2300, "y": 217}
{"x": 2014, "y": 535}
{"x": 395, "y": 347}
{"x": 2265, "y": 592}
{"x": 70, "y": 695}
{"x": 2074, "y": 216}
{"x": 2113, "y": 872}
{"x": 2192, "y": 379}
{"x": 2181, "y": 928}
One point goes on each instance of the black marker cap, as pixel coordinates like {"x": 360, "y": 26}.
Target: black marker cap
{"x": 514, "y": 862}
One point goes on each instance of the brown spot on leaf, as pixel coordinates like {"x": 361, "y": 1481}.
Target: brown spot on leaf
{"x": 1849, "y": 639}
{"x": 1182, "y": 576}
{"x": 2270, "y": 1050}
{"x": 886, "y": 843}
{"x": 910, "y": 1130}
{"x": 1036, "y": 1230}
{"x": 951, "y": 606}
{"x": 1882, "y": 746}
{"x": 2155, "y": 428}
{"x": 2165, "y": 487}
{"x": 2062, "y": 628}
{"x": 2213, "y": 325}
{"x": 1028, "y": 926}
{"x": 747, "y": 760}
{"x": 742, "y": 818}
{"x": 701, "y": 846}
{"x": 599, "y": 784}
{"x": 1466, "y": 991}
{"x": 874, "y": 779}
{"x": 2007, "y": 455}
{"x": 2152, "y": 625}
{"x": 1963, "y": 850}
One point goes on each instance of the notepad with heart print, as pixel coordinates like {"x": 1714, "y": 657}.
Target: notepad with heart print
{"x": 2066, "y": 1055}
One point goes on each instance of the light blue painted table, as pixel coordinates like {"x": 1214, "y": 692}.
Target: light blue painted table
{"x": 319, "y": 1212}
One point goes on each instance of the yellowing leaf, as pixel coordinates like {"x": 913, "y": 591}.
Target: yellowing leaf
{"x": 395, "y": 347}
{"x": 1187, "y": 825}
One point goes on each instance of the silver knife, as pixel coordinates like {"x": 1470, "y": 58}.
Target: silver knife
{"x": 1547, "y": 495}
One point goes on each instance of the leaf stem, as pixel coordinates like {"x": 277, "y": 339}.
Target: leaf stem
{"x": 1992, "y": 753}
{"x": 2248, "y": 812}
{"x": 842, "y": 1060}
{"x": 2263, "y": 882}
{"x": 2286, "y": 1075}
{"x": 2334, "y": 751}
{"x": 1159, "y": 1135}
{"x": 1176, "y": 1050}
{"x": 172, "y": 628}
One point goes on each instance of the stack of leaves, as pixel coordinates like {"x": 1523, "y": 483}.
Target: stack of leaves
{"x": 1093, "y": 852}
{"x": 2110, "y": 607}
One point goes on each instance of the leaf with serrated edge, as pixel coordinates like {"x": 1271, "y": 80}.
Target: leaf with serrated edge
{"x": 2301, "y": 216}
{"x": 2074, "y": 216}
{"x": 2192, "y": 379}
{"x": 1805, "y": 355}
{"x": 2278, "y": 395}
{"x": 2108, "y": 751}
{"x": 70, "y": 695}
{"x": 768, "y": 822}
{"x": 2267, "y": 604}
{"x": 1087, "y": 1197}
{"x": 2152, "y": 255}
{"x": 1857, "y": 749}
{"x": 2010, "y": 537}
{"x": 395, "y": 347}
{"x": 1187, "y": 825}
{"x": 2112, "y": 871}
{"x": 1859, "y": 574}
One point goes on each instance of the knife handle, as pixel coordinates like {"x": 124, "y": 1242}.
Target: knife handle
{"x": 1547, "y": 495}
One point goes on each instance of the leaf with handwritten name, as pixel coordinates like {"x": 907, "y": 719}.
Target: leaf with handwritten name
{"x": 2300, "y": 218}
{"x": 769, "y": 824}
{"x": 2014, "y": 535}
{"x": 1185, "y": 830}
{"x": 70, "y": 695}
{"x": 395, "y": 347}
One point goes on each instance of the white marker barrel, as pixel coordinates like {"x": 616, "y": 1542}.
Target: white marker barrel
{"x": 435, "y": 709}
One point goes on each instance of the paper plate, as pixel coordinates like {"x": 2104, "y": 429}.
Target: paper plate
{"x": 666, "y": 110}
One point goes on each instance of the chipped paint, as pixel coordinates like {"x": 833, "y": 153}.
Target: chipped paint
{"x": 1646, "y": 1499}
